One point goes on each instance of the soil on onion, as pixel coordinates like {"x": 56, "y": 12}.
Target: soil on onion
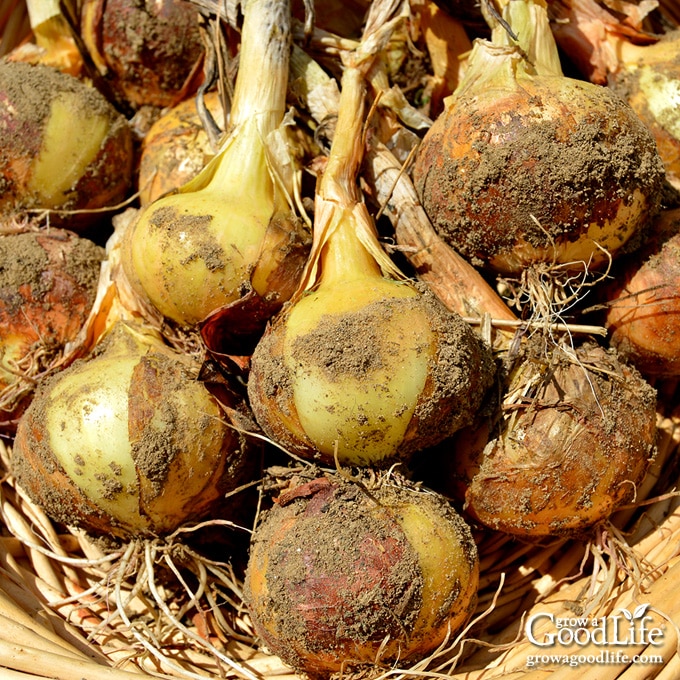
{"x": 351, "y": 345}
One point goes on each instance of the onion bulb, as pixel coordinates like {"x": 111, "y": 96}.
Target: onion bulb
{"x": 571, "y": 442}
{"x": 64, "y": 147}
{"x": 340, "y": 577}
{"x": 146, "y": 52}
{"x": 128, "y": 442}
{"x": 48, "y": 283}
{"x": 526, "y": 165}
{"x": 229, "y": 230}
{"x": 643, "y": 68}
{"x": 361, "y": 365}
{"x": 176, "y": 148}
{"x": 643, "y": 302}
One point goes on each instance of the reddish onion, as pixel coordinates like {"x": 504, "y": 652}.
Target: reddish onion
{"x": 643, "y": 302}
{"x": 526, "y": 165}
{"x": 340, "y": 577}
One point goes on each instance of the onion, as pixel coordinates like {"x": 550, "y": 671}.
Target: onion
{"x": 129, "y": 442}
{"x": 340, "y": 577}
{"x": 175, "y": 148}
{"x": 229, "y": 231}
{"x": 48, "y": 282}
{"x": 643, "y": 302}
{"x": 361, "y": 365}
{"x": 643, "y": 68}
{"x": 528, "y": 166}
{"x": 571, "y": 442}
{"x": 65, "y": 148}
{"x": 146, "y": 52}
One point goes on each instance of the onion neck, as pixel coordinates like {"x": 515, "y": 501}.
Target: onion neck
{"x": 262, "y": 79}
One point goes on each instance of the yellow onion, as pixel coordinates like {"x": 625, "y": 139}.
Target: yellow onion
{"x": 229, "y": 231}
{"x": 128, "y": 442}
{"x": 48, "y": 283}
{"x": 339, "y": 578}
{"x": 64, "y": 147}
{"x": 526, "y": 165}
{"x": 643, "y": 302}
{"x": 643, "y": 68}
{"x": 362, "y": 364}
{"x": 176, "y": 148}
{"x": 146, "y": 52}
{"x": 570, "y": 443}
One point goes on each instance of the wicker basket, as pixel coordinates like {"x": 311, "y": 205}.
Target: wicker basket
{"x": 71, "y": 610}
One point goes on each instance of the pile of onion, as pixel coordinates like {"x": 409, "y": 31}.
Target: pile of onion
{"x": 526, "y": 165}
{"x": 341, "y": 577}
{"x": 64, "y": 147}
{"x": 231, "y": 233}
{"x": 129, "y": 442}
{"x": 362, "y": 366}
{"x": 48, "y": 284}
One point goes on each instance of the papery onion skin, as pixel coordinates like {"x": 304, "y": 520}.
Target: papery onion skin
{"x": 146, "y": 51}
{"x": 569, "y": 453}
{"x": 643, "y": 302}
{"x": 333, "y": 573}
{"x": 64, "y": 147}
{"x": 48, "y": 283}
{"x": 545, "y": 168}
{"x": 128, "y": 442}
{"x": 371, "y": 371}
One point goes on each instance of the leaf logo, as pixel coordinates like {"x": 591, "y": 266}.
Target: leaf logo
{"x": 638, "y": 613}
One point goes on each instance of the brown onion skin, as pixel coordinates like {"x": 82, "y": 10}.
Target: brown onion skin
{"x": 565, "y": 152}
{"x": 26, "y": 94}
{"x": 48, "y": 284}
{"x": 332, "y": 573}
{"x": 147, "y": 51}
{"x": 573, "y": 456}
{"x": 175, "y": 148}
{"x": 643, "y": 302}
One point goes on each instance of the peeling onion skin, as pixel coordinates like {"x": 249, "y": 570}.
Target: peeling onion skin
{"x": 48, "y": 284}
{"x": 569, "y": 459}
{"x": 643, "y": 302}
{"x": 64, "y": 147}
{"x": 332, "y": 573}
{"x": 567, "y": 154}
{"x": 373, "y": 375}
{"x": 128, "y": 443}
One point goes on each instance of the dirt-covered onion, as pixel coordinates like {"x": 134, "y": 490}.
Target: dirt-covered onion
{"x": 527, "y": 165}
{"x": 362, "y": 364}
{"x": 643, "y": 302}
{"x": 643, "y": 68}
{"x": 48, "y": 283}
{"x": 64, "y": 147}
{"x": 129, "y": 442}
{"x": 339, "y": 578}
{"x": 571, "y": 442}
{"x": 229, "y": 231}
{"x": 147, "y": 52}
